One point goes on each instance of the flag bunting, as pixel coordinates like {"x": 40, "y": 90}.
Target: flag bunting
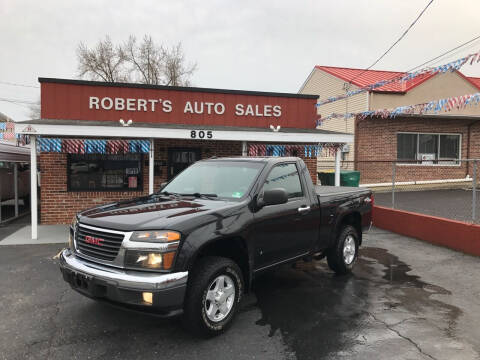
{"x": 435, "y": 106}
{"x": 92, "y": 146}
{"x": 451, "y": 66}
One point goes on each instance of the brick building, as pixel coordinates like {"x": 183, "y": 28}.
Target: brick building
{"x": 427, "y": 146}
{"x": 442, "y": 138}
{"x": 101, "y": 142}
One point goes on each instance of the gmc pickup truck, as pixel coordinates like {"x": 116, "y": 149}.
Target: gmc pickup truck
{"x": 195, "y": 247}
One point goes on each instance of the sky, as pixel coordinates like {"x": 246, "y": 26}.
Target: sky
{"x": 248, "y": 44}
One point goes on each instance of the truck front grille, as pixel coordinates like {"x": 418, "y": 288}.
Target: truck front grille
{"x": 98, "y": 243}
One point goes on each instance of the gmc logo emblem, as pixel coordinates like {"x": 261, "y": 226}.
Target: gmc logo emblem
{"x": 93, "y": 240}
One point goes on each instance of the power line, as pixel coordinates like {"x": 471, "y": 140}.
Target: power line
{"x": 28, "y": 102}
{"x": 395, "y": 43}
{"x": 441, "y": 56}
{"x": 24, "y": 103}
{"x": 389, "y": 80}
{"x": 445, "y": 53}
{"x": 21, "y": 85}
{"x": 18, "y": 104}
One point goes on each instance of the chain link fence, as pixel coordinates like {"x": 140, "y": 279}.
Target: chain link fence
{"x": 444, "y": 188}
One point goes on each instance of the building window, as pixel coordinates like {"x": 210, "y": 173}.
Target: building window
{"x": 428, "y": 149}
{"x": 99, "y": 172}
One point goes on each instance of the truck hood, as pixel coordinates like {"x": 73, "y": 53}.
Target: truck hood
{"x": 155, "y": 212}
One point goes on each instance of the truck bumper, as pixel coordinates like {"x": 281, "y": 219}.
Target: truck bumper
{"x": 161, "y": 294}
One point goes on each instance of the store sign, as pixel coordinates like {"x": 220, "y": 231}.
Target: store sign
{"x": 190, "y": 107}
{"x": 94, "y": 101}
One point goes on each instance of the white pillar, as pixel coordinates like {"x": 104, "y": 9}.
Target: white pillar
{"x": 0, "y": 200}
{"x": 15, "y": 186}
{"x": 151, "y": 164}
{"x": 33, "y": 186}
{"x": 244, "y": 148}
{"x": 338, "y": 156}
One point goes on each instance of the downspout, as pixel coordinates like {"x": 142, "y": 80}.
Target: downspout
{"x": 355, "y": 143}
{"x": 355, "y": 134}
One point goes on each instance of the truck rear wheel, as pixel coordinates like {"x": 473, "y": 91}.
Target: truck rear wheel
{"x": 341, "y": 258}
{"x": 214, "y": 291}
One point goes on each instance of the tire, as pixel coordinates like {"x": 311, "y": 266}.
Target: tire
{"x": 340, "y": 262}
{"x": 207, "y": 276}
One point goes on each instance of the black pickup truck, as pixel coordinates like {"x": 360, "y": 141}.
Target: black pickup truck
{"x": 196, "y": 246}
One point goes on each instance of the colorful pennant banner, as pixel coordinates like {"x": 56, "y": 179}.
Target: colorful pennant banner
{"x": 308, "y": 151}
{"x": 451, "y": 66}
{"x": 92, "y": 146}
{"x": 445, "y": 105}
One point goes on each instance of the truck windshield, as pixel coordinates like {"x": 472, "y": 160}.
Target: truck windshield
{"x": 223, "y": 179}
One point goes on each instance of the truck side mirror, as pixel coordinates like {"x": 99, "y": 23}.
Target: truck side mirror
{"x": 274, "y": 197}
{"x": 163, "y": 184}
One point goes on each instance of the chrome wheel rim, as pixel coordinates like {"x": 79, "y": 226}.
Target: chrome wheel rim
{"x": 220, "y": 298}
{"x": 349, "y": 249}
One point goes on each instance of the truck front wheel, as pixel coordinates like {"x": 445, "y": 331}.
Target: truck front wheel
{"x": 341, "y": 258}
{"x": 214, "y": 292}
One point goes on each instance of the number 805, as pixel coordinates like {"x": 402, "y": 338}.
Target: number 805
{"x": 201, "y": 134}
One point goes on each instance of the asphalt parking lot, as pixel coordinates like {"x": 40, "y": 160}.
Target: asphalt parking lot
{"x": 455, "y": 204}
{"x": 405, "y": 300}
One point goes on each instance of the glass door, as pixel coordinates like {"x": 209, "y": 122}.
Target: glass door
{"x": 180, "y": 159}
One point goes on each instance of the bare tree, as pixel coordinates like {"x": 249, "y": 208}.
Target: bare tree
{"x": 144, "y": 62}
{"x": 34, "y": 110}
{"x": 104, "y": 62}
{"x": 177, "y": 73}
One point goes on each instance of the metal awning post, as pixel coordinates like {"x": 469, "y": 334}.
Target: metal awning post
{"x": 151, "y": 164}
{"x": 33, "y": 186}
{"x": 0, "y": 200}
{"x": 15, "y": 186}
{"x": 244, "y": 148}
{"x": 338, "y": 155}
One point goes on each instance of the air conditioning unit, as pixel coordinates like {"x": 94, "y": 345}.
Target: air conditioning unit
{"x": 426, "y": 159}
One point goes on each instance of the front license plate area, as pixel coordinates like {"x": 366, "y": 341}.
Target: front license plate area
{"x": 81, "y": 281}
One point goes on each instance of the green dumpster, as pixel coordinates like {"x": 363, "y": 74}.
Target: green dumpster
{"x": 327, "y": 177}
{"x": 347, "y": 177}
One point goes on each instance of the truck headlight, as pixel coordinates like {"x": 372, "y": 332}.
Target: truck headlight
{"x": 70, "y": 240}
{"x": 149, "y": 259}
{"x": 155, "y": 236}
{"x": 154, "y": 250}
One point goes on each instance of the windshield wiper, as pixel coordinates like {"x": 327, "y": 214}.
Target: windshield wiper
{"x": 168, "y": 193}
{"x": 199, "y": 195}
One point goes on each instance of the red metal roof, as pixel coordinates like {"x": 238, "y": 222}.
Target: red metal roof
{"x": 475, "y": 81}
{"x": 363, "y": 78}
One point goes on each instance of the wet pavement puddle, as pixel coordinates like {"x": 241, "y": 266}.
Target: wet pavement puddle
{"x": 380, "y": 307}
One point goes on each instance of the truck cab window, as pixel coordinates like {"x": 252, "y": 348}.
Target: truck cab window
{"x": 285, "y": 176}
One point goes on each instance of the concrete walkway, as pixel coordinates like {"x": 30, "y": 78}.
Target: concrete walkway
{"x": 22, "y": 235}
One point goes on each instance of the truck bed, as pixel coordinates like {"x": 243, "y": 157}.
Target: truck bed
{"x": 327, "y": 192}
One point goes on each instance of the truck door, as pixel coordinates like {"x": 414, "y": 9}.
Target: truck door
{"x": 283, "y": 231}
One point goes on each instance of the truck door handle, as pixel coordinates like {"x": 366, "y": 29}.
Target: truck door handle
{"x": 303, "y": 209}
